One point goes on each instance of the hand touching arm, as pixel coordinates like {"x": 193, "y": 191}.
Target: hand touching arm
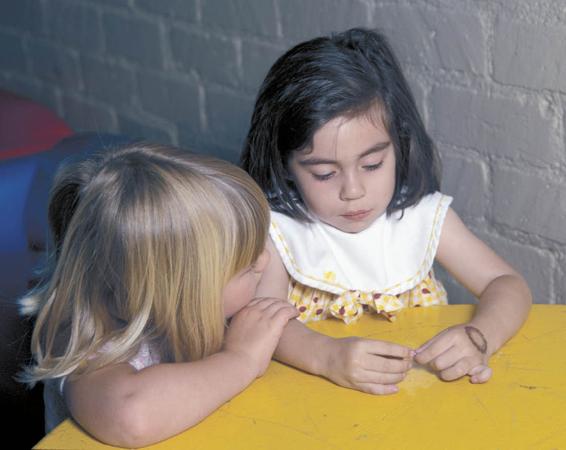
{"x": 364, "y": 364}
{"x": 504, "y": 304}
{"x": 123, "y": 407}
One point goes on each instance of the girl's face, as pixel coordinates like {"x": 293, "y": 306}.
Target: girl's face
{"x": 241, "y": 288}
{"x": 347, "y": 177}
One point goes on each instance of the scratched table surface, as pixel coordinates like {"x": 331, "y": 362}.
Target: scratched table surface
{"x": 523, "y": 406}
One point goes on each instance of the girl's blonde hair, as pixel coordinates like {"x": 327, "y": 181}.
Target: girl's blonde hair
{"x": 145, "y": 239}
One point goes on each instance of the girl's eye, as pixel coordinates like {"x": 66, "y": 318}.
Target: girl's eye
{"x": 371, "y": 167}
{"x": 323, "y": 177}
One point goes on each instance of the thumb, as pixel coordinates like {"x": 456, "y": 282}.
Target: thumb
{"x": 480, "y": 374}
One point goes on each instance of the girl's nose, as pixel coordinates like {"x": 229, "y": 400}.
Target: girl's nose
{"x": 352, "y": 188}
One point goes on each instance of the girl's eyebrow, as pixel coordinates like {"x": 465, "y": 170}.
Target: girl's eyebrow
{"x": 316, "y": 161}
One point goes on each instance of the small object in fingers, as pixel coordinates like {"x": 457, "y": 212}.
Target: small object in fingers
{"x": 398, "y": 358}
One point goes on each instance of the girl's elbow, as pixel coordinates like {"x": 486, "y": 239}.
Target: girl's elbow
{"x": 128, "y": 427}
{"x": 140, "y": 426}
{"x": 523, "y": 289}
{"x": 134, "y": 431}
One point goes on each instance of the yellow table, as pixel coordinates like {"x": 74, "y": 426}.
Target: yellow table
{"x": 522, "y": 407}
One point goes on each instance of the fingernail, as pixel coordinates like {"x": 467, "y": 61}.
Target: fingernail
{"x": 413, "y": 353}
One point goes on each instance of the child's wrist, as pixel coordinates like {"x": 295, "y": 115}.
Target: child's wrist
{"x": 482, "y": 337}
{"x": 477, "y": 338}
{"x": 243, "y": 363}
{"x": 323, "y": 356}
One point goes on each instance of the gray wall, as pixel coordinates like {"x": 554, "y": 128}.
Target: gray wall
{"x": 489, "y": 76}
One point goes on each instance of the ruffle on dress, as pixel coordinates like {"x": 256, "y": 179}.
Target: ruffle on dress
{"x": 314, "y": 304}
{"x": 384, "y": 268}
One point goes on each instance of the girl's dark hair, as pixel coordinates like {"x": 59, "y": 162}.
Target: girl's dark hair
{"x": 345, "y": 74}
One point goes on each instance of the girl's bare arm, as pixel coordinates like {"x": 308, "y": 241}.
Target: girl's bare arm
{"x": 504, "y": 303}
{"x": 121, "y": 406}
{"x": 504, "y": 297}
{"x": 349, "y": 362}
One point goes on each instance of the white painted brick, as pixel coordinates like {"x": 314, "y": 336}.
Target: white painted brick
{"x": 12, "y": 56}
{"x": 301, "y": 20}
{"x": 423, "y": 36}
{"x": 536, "y": 266}
{"x": 497, "y": 126}
{"x": 228, "y": 116}
{"x": 23, "y": 15}
{"x": 31, "y": 88}
{"x": 532, "y": 56}
{"x": 560, "y": 281}
{"x": 133, "y": 38}
{"x": 87, "y": 116}
{"x": 108, "y": 82}
{"x": 255, "y": 17}
{"x": 141, "y": 130}
{"x": 257, "y": 58}
{"x": 214, "y": 58}
{"x": 54, "y": 64}
{"x": 74, "y": 24}
{"x": 418, "y": 91}
{"x": 172, "y": 99}
{"x": 208, "y": 144}
{"x": 530, "y": 203}
{"x": 185, "y": 10}
{"x": 466, "y": 180}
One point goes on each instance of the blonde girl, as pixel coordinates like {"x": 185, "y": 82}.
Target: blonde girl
{"x": 154, "y": 249}
{"x": 338, "y": 145}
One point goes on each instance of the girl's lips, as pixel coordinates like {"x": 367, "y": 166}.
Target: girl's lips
{"x": 357, "y": 215}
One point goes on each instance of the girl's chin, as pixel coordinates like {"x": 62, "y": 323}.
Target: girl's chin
{"x": 350, "y": 227}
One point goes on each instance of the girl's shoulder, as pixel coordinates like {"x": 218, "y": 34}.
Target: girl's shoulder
{"x": 392, "y": 255}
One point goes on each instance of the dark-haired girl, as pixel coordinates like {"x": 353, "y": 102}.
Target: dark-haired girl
{"x": 352, "y": 177}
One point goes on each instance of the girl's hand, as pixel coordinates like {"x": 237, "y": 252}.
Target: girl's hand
{"x": 367, "y": 365}
{"x": 455, "y": 352}
{"x": 255, "y": 330}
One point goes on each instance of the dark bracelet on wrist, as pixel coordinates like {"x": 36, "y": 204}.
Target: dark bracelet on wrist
{"x": 477, "y": 338}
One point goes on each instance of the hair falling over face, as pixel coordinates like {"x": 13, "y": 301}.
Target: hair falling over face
{"x": 348, "y": 74}
{"x": 144, "y": 239}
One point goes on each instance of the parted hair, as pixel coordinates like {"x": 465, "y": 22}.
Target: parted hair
{"x": 144, "y": 240}
{"x": 346, "y": 74}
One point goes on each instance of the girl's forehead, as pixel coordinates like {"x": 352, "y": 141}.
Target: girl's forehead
{"x": 347, "y": 136}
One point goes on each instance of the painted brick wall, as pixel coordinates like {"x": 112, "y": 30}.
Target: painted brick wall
{"x": 489, "y": 76}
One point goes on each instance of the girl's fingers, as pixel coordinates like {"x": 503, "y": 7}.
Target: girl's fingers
{"x": 375, "y": 363}
{"x": 271, "y": 305}
{"x": 459, "y": 369}
{"x": 432, "y": 350}
{"x": 371, "y": 377}
{"x": 388, "y": 349}
{"x": 283, "y": 310}
{"x": 273, "y": 309}
{"x": 262, "y": 302}
{"x": 377, "y": 389}
{"x": 477, "y": 369}
{"x": 482, "y": 376}
{"x": 423, "y": 347}
{"x": 446, "y": 359}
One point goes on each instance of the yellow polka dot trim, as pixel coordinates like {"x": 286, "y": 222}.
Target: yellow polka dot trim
{"x": 314, "y": 304}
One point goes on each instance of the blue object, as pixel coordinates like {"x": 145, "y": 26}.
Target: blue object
{"x": 24, "y": 192}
